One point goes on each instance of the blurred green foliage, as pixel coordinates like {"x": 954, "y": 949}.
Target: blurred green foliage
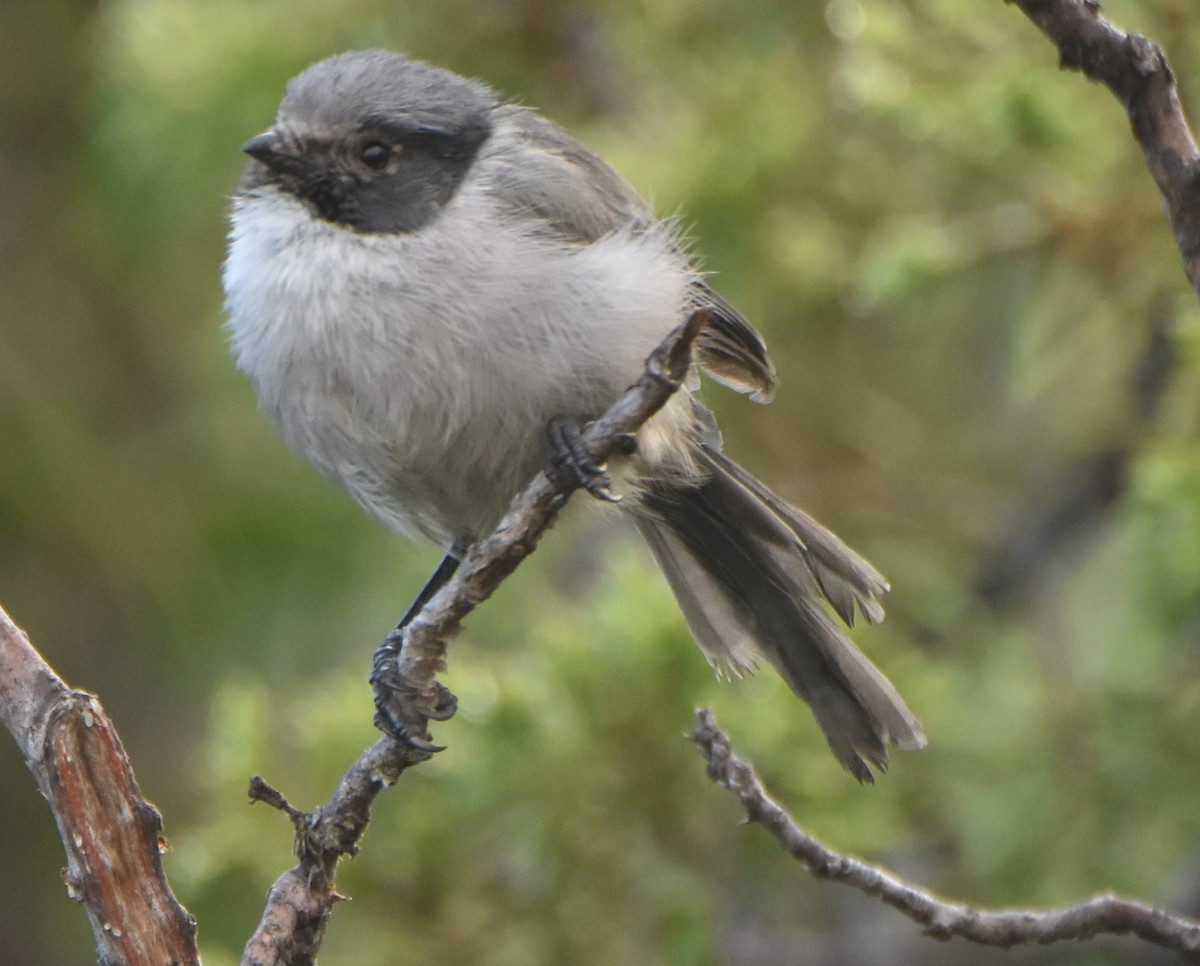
{"x": 958, "y": 259}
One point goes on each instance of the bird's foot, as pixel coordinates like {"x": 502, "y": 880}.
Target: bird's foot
{"x": 402, "y": 710}
{"x": 570, "y": 459}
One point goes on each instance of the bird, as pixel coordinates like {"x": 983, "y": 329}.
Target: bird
{"x": 431, "y": 287}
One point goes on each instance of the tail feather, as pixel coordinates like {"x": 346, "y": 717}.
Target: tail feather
{"x": 750, "y": 571}
{"x": 721, "y": 628}
{"x": 845, "y": 577}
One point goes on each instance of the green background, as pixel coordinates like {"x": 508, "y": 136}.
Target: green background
{"x": 969, "y": 289}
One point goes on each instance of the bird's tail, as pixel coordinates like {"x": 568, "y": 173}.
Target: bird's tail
{"x": 750, "y": 573}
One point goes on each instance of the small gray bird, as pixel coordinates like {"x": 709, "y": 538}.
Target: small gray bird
{"x": 426, "y": 283}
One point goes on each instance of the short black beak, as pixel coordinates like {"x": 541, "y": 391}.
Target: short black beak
{"x": 267, "y": 148}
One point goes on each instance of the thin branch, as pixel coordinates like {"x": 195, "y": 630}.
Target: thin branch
{"x": 1136, "y": 71}
{"x": 1106, "y": 914}
{"x": 111, "y": 834}
{"x": 301, "y": 900}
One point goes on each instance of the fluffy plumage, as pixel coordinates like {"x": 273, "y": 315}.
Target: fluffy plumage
{"x": 421, "y": 277}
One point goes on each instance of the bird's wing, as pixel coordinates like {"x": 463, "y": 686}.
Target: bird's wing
{"x": 731, "y": 351}
{"x": 557, "y": 180}
{"x": 577, "y": 195}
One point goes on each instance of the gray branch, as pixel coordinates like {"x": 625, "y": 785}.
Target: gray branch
{"x": 111, "y": 835}
{"x": 1136, "y": 71}
{"x": 1106, "y": 914}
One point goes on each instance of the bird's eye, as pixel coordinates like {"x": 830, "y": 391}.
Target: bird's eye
{"x": 375, "y": 155}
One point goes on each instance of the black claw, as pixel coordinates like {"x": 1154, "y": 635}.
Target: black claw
{"x": 399, "y": 708}
{"x": 447, "y": 704}
{"x": 567, "y": 438}
{"x": 601, "y": 488}
{"x": 572, "y": 460}
{"x": 420, "y": 743}
{"x": 414, "y": 739}
{"x": 397, "y": 715}
{"x": 386, "y": 653}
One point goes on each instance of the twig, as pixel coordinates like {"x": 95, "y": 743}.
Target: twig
{"x": 112, "y": 835}
{"x": 301, "y": 900}
{"x": 1105, "y": 914}
{"x": 1136, "y": 71}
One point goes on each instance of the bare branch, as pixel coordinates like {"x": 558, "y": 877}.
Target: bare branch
{"x": 1106, "y": 914}
{"x": 301, "y": 900}
{"x": 1136, "y": 71}
{"x": 112, "y": 835}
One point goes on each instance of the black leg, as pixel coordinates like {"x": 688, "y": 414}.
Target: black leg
{"x": 396, "y": 711}
{"x": 445, "y": 570}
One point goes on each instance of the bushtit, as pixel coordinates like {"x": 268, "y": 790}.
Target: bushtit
{"x": 423, "y": 278}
